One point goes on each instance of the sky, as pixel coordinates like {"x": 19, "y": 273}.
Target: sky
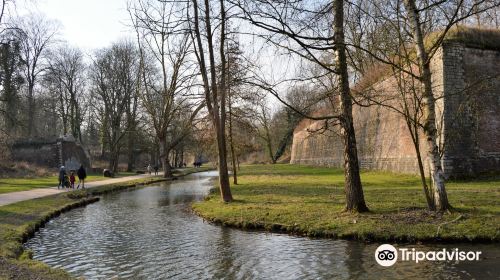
{"x": 94, "y": 24}
{"x": 88, "y": 24}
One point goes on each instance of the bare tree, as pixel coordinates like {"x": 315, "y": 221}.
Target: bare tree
{"x": 214, "y": 85}
{"x": 35, "y": 34}
{"x": 114, "y": 75}
{"x": 263, "y": 117}
{"x": 164, "y": 48}
{"x": 305, "y": 30}
{"x": 66, "y": 77}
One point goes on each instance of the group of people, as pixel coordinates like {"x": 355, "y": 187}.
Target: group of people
{"x": 67, "y": 181}
{"x": 156, "y": 168}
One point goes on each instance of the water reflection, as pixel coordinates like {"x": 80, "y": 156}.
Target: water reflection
{"x": 149, "y": 234}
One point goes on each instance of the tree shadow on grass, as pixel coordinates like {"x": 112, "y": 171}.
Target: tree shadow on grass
{"x": 9, "y": 218}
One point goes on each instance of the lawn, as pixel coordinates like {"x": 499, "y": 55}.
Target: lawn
{"x": 310, "y": 201}
{"x": 23, "y": 184}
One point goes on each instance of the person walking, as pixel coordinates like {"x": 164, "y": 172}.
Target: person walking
{"x": 156, "y": 169}
{"x": 82, "y": 174}
{"x": 149, "y": 169}
{"x": 72, "y": 180}
{"x": 62, "y": 175}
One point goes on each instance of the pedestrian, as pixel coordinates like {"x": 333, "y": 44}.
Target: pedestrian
{"x": 156, "y": 169}
{"x": 72, "y": 179}
{"x": 149, "y": 169}
{"x": 66, "y": 183}
{"x": 62, "y": 174}
{"x": 82, "y": 174}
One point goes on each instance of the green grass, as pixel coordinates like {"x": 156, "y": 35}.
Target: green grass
{"x": 23, "y": 184}
{"x": 310, "y": 201}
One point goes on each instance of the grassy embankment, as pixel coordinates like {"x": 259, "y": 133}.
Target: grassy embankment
{"x": 19, "y": 221}
{"x": 309, "y": 201}
{"x": 23, "y": 184}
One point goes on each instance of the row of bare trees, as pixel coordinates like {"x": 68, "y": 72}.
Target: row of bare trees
{"x": 186, "y": 71}
{"x": 106, "y": 99}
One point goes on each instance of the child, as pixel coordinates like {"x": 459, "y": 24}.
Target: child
{"x": 72, "y": 179}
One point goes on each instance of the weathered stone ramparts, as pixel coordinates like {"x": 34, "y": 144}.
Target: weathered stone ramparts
{"x": 466, "y": 82}
{"x": 52, "y": 152}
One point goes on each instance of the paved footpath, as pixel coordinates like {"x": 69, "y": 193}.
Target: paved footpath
{"x": 13, "y": 197}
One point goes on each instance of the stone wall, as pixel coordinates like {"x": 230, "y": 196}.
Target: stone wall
{"x": 73, "y": 154}
{"x": 51, "y": 152}
{"x": 41, "y": 152}
{"x": 471, "y": 110}
{"x": 467, "y": 85}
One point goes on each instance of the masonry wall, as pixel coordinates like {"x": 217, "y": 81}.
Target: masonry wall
{"x": 471, "y": 110}
{"x": 51, "y": 152}
{"x": 465, "y": 80}
{"x": 41, "y": 152}
{"x": 73, "y": 155}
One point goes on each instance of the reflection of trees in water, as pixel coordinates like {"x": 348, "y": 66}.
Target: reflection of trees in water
{"x": 225, "y": 267}
{"x": 354, "y": 261}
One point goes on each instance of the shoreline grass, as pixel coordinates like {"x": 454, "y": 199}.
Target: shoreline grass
{"x": 309, "y": 201}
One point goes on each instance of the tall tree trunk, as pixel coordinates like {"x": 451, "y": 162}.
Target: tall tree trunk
{"x": 72, "y": 116}
{"x": 231, "y": 138}
{"x": 223, "y": 170}
{"x": 130, "y": 151}
{"x": 164, "y": 156}
{"x": 428, "y": 102}
{"x": 113, "y": 158}
{"x": 413, "y": 128}
{"x": 428, "y": 198}
{"x": 291, "y": 123}
{"x": 182, "y": 156}
{"x": 355, "y": 200}
{"x": 269, "y": 144}
{"x": 221, "y": 122}
{"x": 212, "y": 89}
{"x": 31, "y": 111}
{"x": 167, "y": 169}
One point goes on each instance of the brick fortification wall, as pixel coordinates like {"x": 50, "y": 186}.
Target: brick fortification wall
{"x": 467, "y": 82}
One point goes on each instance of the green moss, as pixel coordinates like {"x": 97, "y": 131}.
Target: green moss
{"x": 310, "y": 201}
{"x": 474, "y": 37}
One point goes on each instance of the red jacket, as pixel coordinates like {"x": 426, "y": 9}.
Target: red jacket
{"x": 72, "y": 178}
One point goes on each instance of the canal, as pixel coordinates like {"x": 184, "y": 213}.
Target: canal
{"x": 150, "y": 233}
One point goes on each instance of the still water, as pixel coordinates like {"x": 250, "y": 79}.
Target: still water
{"x": 150, "y": 233}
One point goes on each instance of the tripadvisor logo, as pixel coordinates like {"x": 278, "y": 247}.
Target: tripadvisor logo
{"x": 387, "y": 255}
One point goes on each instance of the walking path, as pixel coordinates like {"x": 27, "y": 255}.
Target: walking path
{"x": 13, "y": 197}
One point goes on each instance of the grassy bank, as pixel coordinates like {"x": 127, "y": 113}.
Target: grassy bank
{"x": 19, "y": 221}
{"x": 310, "y": 201}
{"x": 23, "y": 184}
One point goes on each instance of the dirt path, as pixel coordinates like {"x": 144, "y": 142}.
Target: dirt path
{"x": 13, "y": 197}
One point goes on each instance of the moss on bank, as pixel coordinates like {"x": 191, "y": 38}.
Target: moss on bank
{"x": 19, "y": 221}
{"x": 309, "y": 201}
